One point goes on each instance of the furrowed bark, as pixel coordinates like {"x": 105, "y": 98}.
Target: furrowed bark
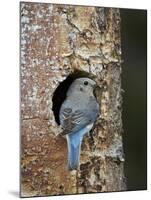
{"x": 56, "y": 40}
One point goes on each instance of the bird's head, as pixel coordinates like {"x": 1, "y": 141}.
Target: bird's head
{"x": 83, "y": 86}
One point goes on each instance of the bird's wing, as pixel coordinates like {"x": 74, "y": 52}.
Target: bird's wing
{"x": 73, "y": 121}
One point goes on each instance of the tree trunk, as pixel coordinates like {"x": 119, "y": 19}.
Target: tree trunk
{"x": 56, "y": 40}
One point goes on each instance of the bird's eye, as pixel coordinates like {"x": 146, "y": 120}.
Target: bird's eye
{"x": 85, "y": 82}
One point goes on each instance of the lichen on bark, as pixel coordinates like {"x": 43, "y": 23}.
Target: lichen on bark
{"x": 56, "y": 40}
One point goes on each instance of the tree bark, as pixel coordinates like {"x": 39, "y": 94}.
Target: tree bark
{"x": 56, "y": 40}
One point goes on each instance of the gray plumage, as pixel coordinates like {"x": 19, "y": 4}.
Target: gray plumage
{"x": 77, "y": 116}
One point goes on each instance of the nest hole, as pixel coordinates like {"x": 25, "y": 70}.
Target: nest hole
{"x": 59, "y": 94}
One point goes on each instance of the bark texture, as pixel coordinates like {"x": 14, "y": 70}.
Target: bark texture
{"x": 56, "y": 40}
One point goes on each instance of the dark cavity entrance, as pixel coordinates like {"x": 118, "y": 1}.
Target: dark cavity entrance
{"x": 61, "y": 91}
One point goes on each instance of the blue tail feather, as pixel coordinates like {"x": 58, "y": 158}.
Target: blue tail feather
{"x": 74, "y": 146}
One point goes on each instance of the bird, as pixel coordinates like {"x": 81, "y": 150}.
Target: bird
{"x": 77, "y": 115}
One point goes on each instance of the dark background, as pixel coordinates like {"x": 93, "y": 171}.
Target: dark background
{"x": 134, "y": 83}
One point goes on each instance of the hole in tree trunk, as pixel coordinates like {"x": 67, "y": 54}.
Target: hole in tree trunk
{"x": 60, "y": 92}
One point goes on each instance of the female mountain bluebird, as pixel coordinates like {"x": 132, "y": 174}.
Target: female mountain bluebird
{"x": 77, "y": 115}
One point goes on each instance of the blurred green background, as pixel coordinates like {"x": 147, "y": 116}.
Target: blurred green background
{"x": 134, "y": 83}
